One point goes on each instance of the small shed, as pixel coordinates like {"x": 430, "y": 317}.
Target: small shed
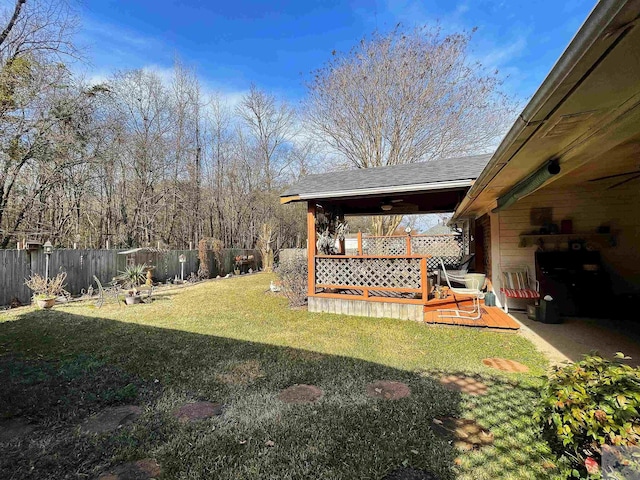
{"x": 137, "y": 256}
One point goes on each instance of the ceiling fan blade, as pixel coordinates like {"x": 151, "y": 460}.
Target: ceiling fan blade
{"x": 623, "y": 182}
{"x": 615, "y": 176}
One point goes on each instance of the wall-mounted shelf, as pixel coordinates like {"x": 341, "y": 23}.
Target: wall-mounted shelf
{"x": 529, "y": 239}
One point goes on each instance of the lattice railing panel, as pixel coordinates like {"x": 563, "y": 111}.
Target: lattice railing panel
{"x": 401, "y": 273}
{"x": 438, "y": 245}
{"x": 384, "y": 245}
{"x": 433, "y": 263}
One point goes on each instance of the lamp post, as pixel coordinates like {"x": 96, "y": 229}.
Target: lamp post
{"x": 48, "y": 249}
{"x": 182, "y": 259}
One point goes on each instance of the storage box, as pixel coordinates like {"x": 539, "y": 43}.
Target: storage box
{"x": 549, "y": 312}
{"x": 532, "y": 312}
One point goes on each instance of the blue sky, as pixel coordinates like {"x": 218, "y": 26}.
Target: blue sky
{"x": 276, "y": 44}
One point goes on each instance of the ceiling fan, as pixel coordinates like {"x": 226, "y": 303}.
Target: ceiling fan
{"x": 631, "y": 176}
{"x": 388, "y": 205}
{"x": 391, "y": 204}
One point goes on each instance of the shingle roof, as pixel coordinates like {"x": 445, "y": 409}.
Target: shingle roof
{"x": 439, "y": 230}
{"x": 432, "y": 172}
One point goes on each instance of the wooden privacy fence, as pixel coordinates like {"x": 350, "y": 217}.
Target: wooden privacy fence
{"x": 82, "y": 265}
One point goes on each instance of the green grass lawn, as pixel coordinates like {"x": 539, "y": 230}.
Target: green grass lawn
{"x": 233, "y": 342}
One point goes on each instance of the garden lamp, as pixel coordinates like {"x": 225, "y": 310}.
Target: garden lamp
{"x": 48, "y": 249}
{"x": 182, "y": 259}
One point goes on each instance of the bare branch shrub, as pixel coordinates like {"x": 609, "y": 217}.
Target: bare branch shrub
{"x": 293, "y": 272}
{"x": 47, "y": 288}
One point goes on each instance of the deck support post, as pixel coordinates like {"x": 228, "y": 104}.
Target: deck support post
{"x": 311, "y": 248}
{"x": 408, "y": 244}
{"x": 424, "y": 279}
{"x": 359, "y": 243}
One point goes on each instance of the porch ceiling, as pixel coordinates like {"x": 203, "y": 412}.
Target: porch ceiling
{"x": 439, "y": 201}
{"x": 586, "y": 114}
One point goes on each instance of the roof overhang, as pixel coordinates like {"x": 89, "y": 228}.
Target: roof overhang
{"x": 586, "y": 108}
{"x": 379, "y": 191}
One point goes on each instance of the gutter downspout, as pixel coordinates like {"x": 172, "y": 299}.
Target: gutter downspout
{"x": 594, "y": 26}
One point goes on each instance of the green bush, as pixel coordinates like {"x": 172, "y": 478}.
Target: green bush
{"x": 589, "y": 404}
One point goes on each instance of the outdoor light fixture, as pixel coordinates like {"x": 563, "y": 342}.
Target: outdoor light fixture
{"x": 182, "y": 259}
{"x": 386, "y": 207}
{"x": 528, "y": 185}
{"x": 48, "y": 249}
{"x": 408, "y": 230}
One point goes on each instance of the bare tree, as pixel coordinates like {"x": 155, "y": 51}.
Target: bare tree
{"x": 270, "y": 124}
{"x": 405, "y": 97}
{"x": 36, "y": 36}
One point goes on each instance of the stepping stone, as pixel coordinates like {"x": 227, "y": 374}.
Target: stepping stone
{"x": 505, "y": 365}
{"x": 145, "y": 469}
{"x": 388, "y": 390}
{"x": 464, "y": 384}
{"x": 467, "y": 434}
{"x": 300, "y": 394}
{"x": 111, "y": 419}
{"x": 14, "y": 428}
{"x": 195, "y": 411}
{"x": 410, "y": 474}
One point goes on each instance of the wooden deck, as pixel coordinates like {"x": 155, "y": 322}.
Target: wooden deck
{"x": 492, "y": 317}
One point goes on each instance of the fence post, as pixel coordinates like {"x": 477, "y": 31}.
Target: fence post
{"x": 359, "y": 243}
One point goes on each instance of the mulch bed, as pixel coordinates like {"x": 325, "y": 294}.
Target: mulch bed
{"x": 300, "y": 394}
{"x": 461, "y": 383}
{"x": 466, "y": 434}
{"x": 388, "y": 390}
{"x": 195, "y": 411}
{"x": 145, "y": 469}
{"x": 505, "y": 365}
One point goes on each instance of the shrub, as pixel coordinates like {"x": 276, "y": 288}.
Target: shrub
{"x": 589, "y": 404}
{"x": 133, "y": 276}
{"x": 293, "y": 275}
{"x": 47, "y": 288}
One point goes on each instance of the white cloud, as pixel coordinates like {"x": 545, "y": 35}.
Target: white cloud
{"x": 100, "y": 31}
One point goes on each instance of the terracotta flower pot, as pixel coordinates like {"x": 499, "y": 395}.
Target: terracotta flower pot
{"x": 46, "y": 303}
{"x": 132, "y": 299}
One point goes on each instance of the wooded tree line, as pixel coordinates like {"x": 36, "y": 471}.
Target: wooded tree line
{"x": 143, "y": 158}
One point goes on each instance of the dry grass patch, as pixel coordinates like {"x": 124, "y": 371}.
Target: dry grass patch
{"x": 243, "y": 373}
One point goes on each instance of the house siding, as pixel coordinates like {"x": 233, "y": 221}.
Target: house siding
{"x": 588, "y": 207}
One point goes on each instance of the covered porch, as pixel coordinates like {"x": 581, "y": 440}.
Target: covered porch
{"x": 392, "y": 276}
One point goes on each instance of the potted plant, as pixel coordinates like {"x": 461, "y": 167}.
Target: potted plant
{"x": 131, "y": 278}
{"x": 46, "y": 291}
{"x": 238, "y": 264}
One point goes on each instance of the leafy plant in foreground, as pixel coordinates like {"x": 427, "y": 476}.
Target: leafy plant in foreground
{"x": 588, "y": 404}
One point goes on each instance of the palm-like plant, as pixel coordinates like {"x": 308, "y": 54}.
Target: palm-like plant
{"x": 133, "y": 276}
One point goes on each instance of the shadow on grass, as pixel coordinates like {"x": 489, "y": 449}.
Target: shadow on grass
{"x": 60, "y": 367}
{"x": 506, "y": 409}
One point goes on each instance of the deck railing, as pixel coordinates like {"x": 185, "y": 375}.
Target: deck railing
{"x": 373, "y": 277}
{"x": 448, "y": 247}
